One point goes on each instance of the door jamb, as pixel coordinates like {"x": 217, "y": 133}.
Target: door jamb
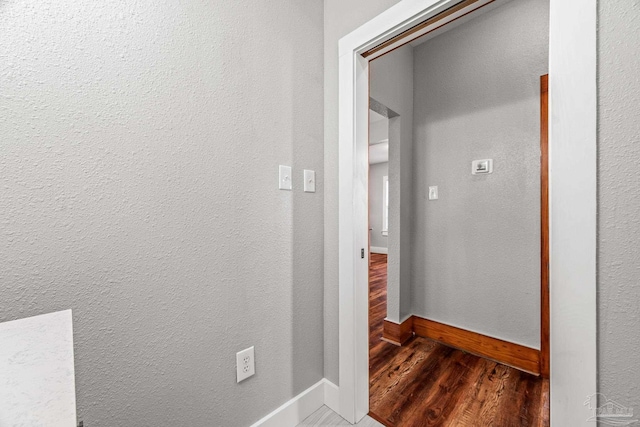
{"x": 572, "y": 213}
{"x": 544, "y": 226}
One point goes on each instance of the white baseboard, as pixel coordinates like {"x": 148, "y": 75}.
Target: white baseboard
{"x": 331, "y": 395}
{"x": 300, "y": 407}
{"x": 378, "y": 250}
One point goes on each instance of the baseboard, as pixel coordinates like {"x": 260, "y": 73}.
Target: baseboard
{"x": 515, "y": 355}
{"x": 293, "y": 412}
{"x": 378, "y": 250}
{"x": 397, "y": 333}
{"x": 380, "y": 419}
{"x": 297, "y": 409}
{"x": 331, "y": 396}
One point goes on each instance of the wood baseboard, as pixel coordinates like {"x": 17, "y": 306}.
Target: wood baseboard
{"x": 515, "y": 355}
{"x": 397, "y": 333}
{"x": 379, "y": 250}
{"x": 379, "y": 419}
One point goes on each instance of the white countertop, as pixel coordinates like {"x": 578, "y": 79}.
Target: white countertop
{"x": 37, "y": 381}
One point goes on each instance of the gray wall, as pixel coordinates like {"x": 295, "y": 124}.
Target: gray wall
{"x": 392, "y": 85}
{"x": 376, "y": 202}
{"x": 619, "y": 202}
{"x": 378, "y": 131}
{"x": 476, "y": 262}
{"x": 340, "y": 18}
{"x": 140, "y": 146}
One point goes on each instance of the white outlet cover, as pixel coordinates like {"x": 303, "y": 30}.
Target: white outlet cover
{"x": 245, "y": 364}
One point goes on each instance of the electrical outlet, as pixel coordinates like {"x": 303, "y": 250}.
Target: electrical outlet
{"x": 245, "y": 364}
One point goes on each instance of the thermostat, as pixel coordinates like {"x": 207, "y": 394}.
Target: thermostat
{"x": 482, "y": 166}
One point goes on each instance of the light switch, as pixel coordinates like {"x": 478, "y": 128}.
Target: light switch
{"x": 284, "y": 179}
{"x": 309, "y": 181}
{"x": 433, "y": 193}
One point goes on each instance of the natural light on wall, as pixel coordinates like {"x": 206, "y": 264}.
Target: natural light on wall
{"x": 385, "y": 205}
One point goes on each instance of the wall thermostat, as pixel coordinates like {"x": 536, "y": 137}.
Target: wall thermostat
{"x": 482, "y": 166}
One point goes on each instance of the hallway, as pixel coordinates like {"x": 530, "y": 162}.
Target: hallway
{"x": 425, "y": 383}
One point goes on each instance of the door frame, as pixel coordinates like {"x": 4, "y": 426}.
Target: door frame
{"x": 544, "y": 226}
{"x": 572, "y": 199}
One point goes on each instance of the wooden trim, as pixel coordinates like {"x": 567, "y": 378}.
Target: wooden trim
{"x": 408, "y": 35}
{"x": 397, "y": 334}
{"x": 515, "y": 355}
{"x": 380, "y": 419}
{"x": 544, "y": 226}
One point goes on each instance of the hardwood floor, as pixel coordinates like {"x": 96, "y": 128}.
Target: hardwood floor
{"x": 425, "y": 383}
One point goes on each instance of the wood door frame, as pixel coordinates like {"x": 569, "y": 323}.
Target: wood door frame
{"x": 572, "y": 200}
{"x": 544, "y": 227}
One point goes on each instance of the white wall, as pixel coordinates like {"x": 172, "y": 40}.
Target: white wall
{"x": 392, "y": 85}
{"x": 619, "y": 203}
{"x": 476, "y": 257}
{"x": 140, "y": 146}
{"x": 378, "y": 168}
{"x": 378, "y": 130}
{"x": 376, "y": 203}
{"x": 340, "y": 18}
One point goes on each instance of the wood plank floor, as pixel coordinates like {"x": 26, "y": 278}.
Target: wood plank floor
{"x": 425, "y": 383}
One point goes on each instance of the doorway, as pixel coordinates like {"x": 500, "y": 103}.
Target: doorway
{"x": 572, "y": 182}
{"x": 476, "y": 248}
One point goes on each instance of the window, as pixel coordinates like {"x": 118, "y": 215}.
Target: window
{"x": 385, "y": 205}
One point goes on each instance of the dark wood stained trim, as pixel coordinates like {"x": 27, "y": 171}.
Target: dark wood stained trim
{"x": 515, "y": 355}
{"x": 408, "y": 35}
{"x": 397, "y": 334}
{"x": 380, "y": 419}
{"x": 544, "y": 227}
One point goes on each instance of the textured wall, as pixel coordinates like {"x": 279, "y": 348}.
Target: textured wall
{"x": 378, "y": 131}
{"x": 619, "y": 203}
{"x": 476, "y": 250}
{"x": 376, "y": 202}
{"x": 392, "y": 85}
{"x": 340, "y": 18}
{"x": 140, "y": 144}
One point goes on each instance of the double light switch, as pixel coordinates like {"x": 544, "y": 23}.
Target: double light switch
{"x": 285, "y": 179}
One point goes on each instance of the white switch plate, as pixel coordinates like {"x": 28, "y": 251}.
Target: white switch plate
{"x": 284, "y": 177}
{"x": 433, "y": 193}
{"x": 245, "y": 364}
{"x": 309, "y": 181}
